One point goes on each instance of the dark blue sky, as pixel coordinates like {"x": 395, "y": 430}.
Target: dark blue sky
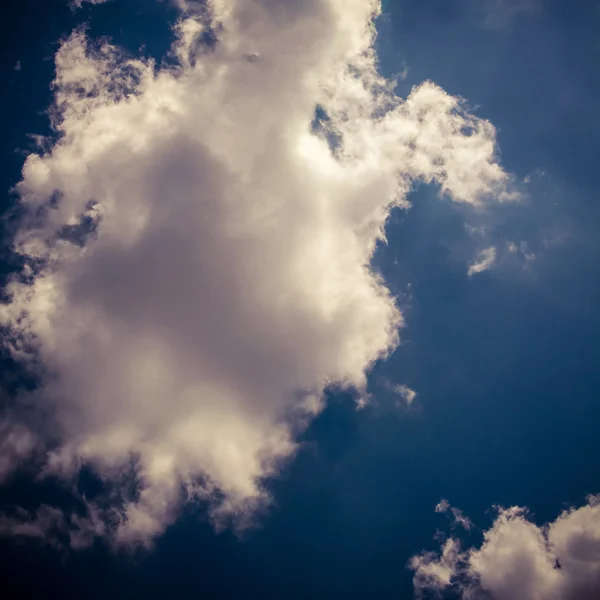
{"x": 505, "y": 363}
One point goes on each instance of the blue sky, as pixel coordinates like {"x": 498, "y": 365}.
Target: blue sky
{"x": 504, "y": 362}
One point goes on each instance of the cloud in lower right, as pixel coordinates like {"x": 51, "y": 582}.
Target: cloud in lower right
{"x": 519, "y": 560}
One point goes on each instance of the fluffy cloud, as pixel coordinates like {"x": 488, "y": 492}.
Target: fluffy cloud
{"x": 485, "y": 260}
{"x": 519, "y": 559}
{"x": 197, "y": 245}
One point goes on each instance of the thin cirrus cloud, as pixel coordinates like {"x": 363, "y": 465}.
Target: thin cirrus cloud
{"x": 519, "y": 559}
{"x": 197, "y": 254}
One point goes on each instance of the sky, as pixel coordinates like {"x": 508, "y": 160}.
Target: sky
{"x": 299, "y": 299}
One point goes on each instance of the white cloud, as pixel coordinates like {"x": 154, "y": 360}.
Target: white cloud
{"x": 458, "y": 518}
{"x": 435, "y": 572}
{"x": 404, "y": 395}
{"x": 407, "y": 394}
{"x": 519, "y": 559}
{"x": 224, "y": 280}
{"x": 485, "y": 260}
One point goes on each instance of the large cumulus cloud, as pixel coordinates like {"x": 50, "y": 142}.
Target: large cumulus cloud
{"x": 197, "y": 245}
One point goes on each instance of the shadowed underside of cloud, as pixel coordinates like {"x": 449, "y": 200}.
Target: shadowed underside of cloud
{"x": 518, "y": 559}
{"x": 197, "y": 251}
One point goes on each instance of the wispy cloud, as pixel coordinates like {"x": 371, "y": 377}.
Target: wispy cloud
{"x": 51, "y": 525}
{"x": 498, "y": 14}
{"x": 407, "y": 394}
{"x": 521, "y": 249}
{"x": 459, "y": 519}
{"x": 485, "y": 261}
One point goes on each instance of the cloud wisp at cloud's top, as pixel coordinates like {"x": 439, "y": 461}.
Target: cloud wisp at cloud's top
{"x": 197, "y": 254}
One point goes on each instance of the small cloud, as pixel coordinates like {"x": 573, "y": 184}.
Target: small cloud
{"x": 402, "y": 74}
{"x": 525, "y": 252}
{"x": 459, "y": 519}
{"x": 362, "y": 401}
{"x": 406, "y": 394}
{"x": 17, "y": 66}
{"x": 472, "y": 230}
{"x": 485, "y": 259}
{"x": 521, "y": 248}
{"x": 435, "y": 573}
